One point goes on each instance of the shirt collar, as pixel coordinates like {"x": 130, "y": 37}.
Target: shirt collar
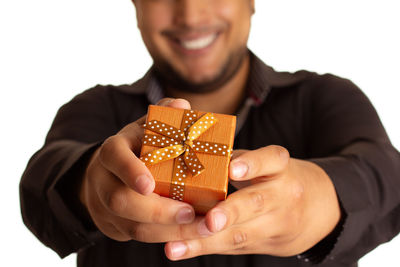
{"x": 258, "y": 85}
{"x": 261, "y": 79}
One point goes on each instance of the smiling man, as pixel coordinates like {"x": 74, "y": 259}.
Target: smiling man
{"x": 198, "y": 45}
{"x": 314, "y": 177}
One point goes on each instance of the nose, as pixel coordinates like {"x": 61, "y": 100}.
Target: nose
{"x": 192, "y": 13}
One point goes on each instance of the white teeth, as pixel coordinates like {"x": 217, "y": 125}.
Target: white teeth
{"x": 199, "y": 43}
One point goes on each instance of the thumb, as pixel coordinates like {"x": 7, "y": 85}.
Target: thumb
{"x": 135, "y": 132}
{"x": 238, "y": 184}
{"x": 174, "y": 103}
{"x": 167, "y": 102}
{"x": 265, "y": 161}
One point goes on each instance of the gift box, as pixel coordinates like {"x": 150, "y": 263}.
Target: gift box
{"x": 188, "y": 154}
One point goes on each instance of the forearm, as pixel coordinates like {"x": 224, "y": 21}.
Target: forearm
{"x": 347, "y": 140}
{"x": 365, "y": 176}
{"x": 47, "y": 192}
{"x": 50, "y": 186}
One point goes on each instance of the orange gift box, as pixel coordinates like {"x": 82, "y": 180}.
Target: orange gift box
{"x": 188, "y": 154}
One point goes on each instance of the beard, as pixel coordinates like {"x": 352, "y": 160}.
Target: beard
{"x": 169, "y": 77}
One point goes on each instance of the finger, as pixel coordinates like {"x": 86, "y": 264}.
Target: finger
{"x": 121, "y": 201}
{"x": 234, "y": 238}
{"x": 157, "y": 233}
{"x": 175, "y": 103}
{"x": 260, "y": 236}
{"x": 241, "y": 206}
{"x": 237, "y": 152}
{"x": 134, "y": 132}
{"x": 266, "y": 161}
{"x": 121, "y": 229}
{"x": 116, "y": 153}
{"x": 116, "y": 156}
{"x": 100, "y": 216}
{"x": 239, "y": 184}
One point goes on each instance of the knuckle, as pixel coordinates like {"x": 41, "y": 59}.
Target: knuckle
{"x": 257, "y": 201}
{"x": 201, "y": 247}
{"x": 136, "y": 232}
{"x": 232, "y": 208}
{"x": 297, "y": 192}
{"x": 134, "y": 133}
{"x": 239, "y": 238}
{"x": 280, "y": 152}
{"x": 116, "y": 201}
{"x": 274, "y": 240}
{"x": 156, "y": 214}
{"x": 180, "y": 234}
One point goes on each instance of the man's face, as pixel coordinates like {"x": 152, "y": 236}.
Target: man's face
{"x": 196, "y": 42}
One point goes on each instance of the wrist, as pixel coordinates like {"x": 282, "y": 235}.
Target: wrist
{"x": 83, "y": 180}
{"x": 322, "y": 211}
{"x": 322, "y": 249}
{"x": 83, "y": 192}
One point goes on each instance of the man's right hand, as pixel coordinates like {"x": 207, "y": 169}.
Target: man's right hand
{"x": 117, "y": 190}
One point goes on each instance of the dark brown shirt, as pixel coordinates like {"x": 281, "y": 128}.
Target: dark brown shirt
{"x": 321, "y": 118}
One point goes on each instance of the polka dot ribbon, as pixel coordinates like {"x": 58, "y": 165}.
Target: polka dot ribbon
{"x": 181, "y": 144}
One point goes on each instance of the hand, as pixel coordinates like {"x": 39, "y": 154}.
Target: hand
{"x": 285, "y": 206}
{"x": 117, "y": 191}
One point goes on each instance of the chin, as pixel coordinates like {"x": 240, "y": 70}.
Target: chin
{"x": 199, "y": 79}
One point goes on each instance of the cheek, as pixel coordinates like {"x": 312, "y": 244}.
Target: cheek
{"x": 238, "y": 17}
{"x": 151, "y": 27}
{"x": 152, "y": 19}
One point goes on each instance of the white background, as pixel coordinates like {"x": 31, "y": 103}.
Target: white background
{"x": 50, "y": 50}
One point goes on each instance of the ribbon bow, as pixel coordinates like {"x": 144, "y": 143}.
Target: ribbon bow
{"x": 175, "y": 142}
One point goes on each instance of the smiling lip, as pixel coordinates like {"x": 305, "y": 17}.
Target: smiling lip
{"x": 198, "y": 43}
{"x": 193, "y": 43}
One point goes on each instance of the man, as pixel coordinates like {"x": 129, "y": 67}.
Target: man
{"x": 314, "y": 177}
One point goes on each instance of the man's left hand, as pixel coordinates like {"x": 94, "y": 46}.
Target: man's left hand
{"x": 284, "y": 206}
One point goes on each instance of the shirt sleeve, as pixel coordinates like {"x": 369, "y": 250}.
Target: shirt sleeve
{"x": 49, "y": 186}
{"x": 349, "y": 142}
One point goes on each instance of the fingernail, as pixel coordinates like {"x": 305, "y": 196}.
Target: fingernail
{"x": 219, "y": 219}
{"x": 239, "y": 169}
{"x": 184, "y": 215}
{"x": 178, "y": 249}
{"x": 143, "y": 184}
{"x": 202, "y": 228}
{"x": 167, "y": 102}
